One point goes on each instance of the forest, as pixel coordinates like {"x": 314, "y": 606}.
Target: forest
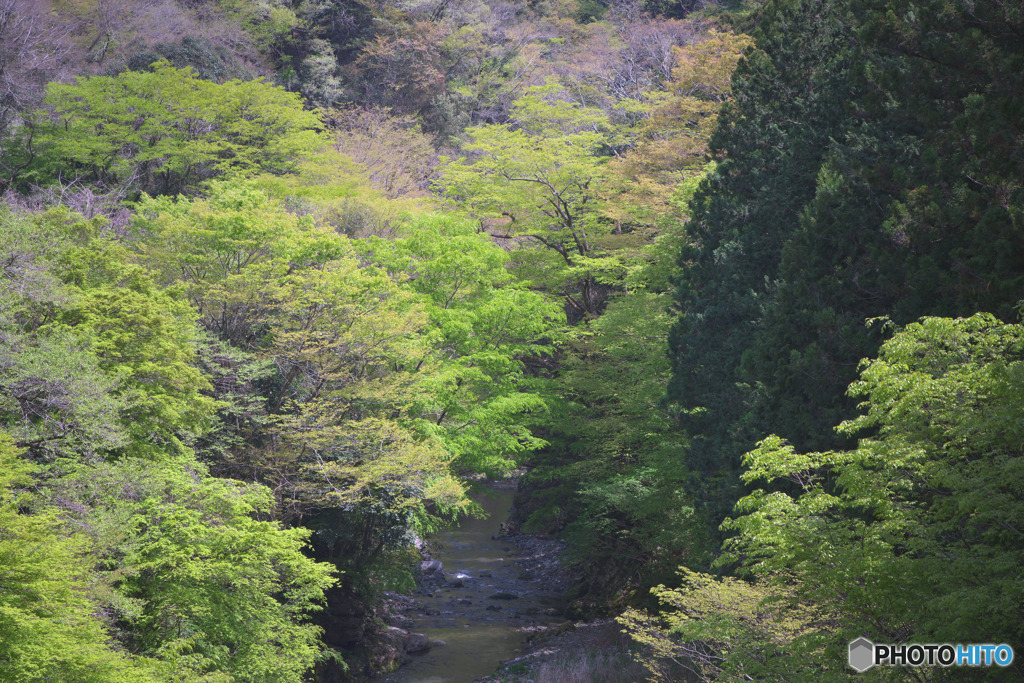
{"x": 733, "y": 287}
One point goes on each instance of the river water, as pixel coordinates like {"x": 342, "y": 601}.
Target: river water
{"x": 479, "y": 622}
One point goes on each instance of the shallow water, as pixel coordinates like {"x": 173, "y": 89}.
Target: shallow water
{"x": 476, "y": 638}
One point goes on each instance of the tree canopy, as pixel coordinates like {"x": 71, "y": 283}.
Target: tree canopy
{"x": 282, "y": 282}
{"x": 165, "y": 131}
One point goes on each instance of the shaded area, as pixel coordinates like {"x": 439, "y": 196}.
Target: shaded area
{"x": 481, "y": 604}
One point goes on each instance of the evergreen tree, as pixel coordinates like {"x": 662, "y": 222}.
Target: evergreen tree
{"x": 789, "y": 93}
{"x": 917, "y": 208}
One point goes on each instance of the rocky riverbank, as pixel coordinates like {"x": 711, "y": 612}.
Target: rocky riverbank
{"x": 489, "y": 598}
{"x": 576, "y": 652}
{"x": 480, "y": 592}
{"x": 570, "y": 651}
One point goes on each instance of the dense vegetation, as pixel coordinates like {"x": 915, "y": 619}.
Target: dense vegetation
{"x": 738, "y": 283}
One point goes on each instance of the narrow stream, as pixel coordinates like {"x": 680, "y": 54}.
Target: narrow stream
{"x": 474, "y": 612}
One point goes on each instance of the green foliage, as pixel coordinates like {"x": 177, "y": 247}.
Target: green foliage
{"x": 212, "y": 247}
{"x": 742, "y": 215}
{"x": 267, "y": 21}
{"x": 54, "y": 394}
{"x": 142, "y": 336}
{"x": 714, "y": 628}
{"x": 357, "y": 377}
{"x": 99, "y": 359}
{"x": 867, "y": 164}
{"x": 199, "y": 582}
{"x": 483, "y": 325}
{"x": 583, "y": 225}
{"x": 617, "y": 448}
{"x": 535, "y": 181}
{"x": 342, "y": 190}
{"x": 612, "y": 476}
{"x": 590, "y": 10}
{"x": 930, "y": 498}
{"x": 612, "y": 479}
{"x": 209, "y": 61}
{"x": 893, "y": 213}
{"x": 165, "y": 131}
{"x": 842, "y": 196}
{"x": 336, "y": 332}
{"x": 48, "y": 624}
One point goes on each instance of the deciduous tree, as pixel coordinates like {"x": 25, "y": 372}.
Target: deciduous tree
{"x": 929, "y": 498}
{"x": 165, "y": 131}
{"x": 534, "y": 182}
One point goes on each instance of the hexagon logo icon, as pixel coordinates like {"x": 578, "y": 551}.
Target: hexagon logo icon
{"x": 862, "y": 654}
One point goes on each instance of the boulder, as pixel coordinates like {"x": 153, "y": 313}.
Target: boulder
{"x": 503, "y": 596}
{"x": 430, "y": 566}
{"x": 417, "y": 642}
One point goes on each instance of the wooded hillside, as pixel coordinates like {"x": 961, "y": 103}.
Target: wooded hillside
{"x": 736, "y": 285}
